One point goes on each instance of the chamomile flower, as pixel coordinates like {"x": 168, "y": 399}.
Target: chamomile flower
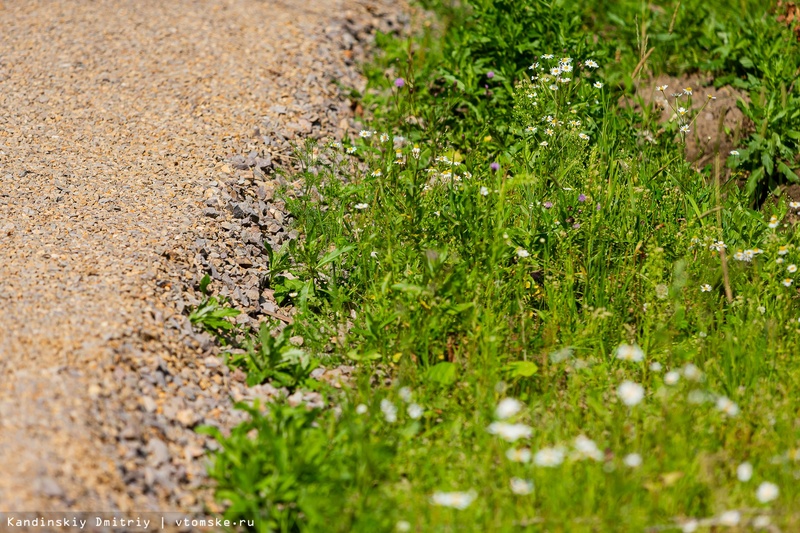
{"x": 555, "y": 71}
{"x": 583, "y": 136}
{"x": 405, "y": 394}
{"x": 521, "y": 487}
{"x": 510, "y": 432}
{"x": 773, "y": 222}
{"x": 548, "y": 56}
{"x": 718, "y": 246}
{"x": 414, "y": 411}
{"x": 685, "y": 129}
{"x": 415, "y": 151}
{"x": 523, "y": 253}
{"x": 507, "y": 408}
{"x": 633, "y": 460}
{"x": 377, "y": 173}
{"x": 553, "y": 87}
{"x": 591, "y": 64}
{"x": 783, "y": 250}
{"x": 767, "y": 492}
{"x": 730, "y": 518}
{"x": 672, "y": 377}
{"x": 586, "y": 448}
{"x": 533, "y": 66}
{"x": 744, "y": 472}
{"x": 727, "y": 406}
{"x": 681, "y": 111}
{"x": 794, "y": 205}
{"x": 655, "y": 366}
{"x": 630, "y": 393}
{"x": 361, "y": 206}
{"x": 787, "y": 282}
{"x": 705, "y": 287}
{"x": 598, "y": 85}
{"x": 351, "y": 150}
{"x": 365, "y": 134}
{"x": 687, "y": 91}
{"x": 791, "y": 268}
{"x": 566, "y": 67}
{"x": 384, "y": 138}
{"x": 543, "y": 143}
{"x": 361, "y": 409}
{"x": 523, "y": 455}
{"x": 456, "y": 500}
{"x": 389, "y": 411}
{"x": 484, "y": 191}
{"x": 549, "y": 131}
{"x": 628, "y": 352}
{"x": 549, "y": 457}
{"x": 734, "y": 153}
{"x": 691, "y": 372}
{"x": 662, "y": 88}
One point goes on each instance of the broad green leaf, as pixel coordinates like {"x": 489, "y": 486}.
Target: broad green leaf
{"x": 443, "y": 373}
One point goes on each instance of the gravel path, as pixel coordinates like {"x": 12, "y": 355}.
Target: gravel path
{"x": 118, "y": 126}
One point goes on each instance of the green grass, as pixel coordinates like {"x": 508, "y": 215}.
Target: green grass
{"x": 465, "y": 262}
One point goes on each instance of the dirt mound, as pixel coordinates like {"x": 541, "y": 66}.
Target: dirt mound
{"x": 719, "y": 127}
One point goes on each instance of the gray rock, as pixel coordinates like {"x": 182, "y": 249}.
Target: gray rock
{"x": 158, "y": 451}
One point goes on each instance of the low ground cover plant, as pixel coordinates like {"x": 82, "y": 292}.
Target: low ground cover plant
{"x": 556, "y": 325}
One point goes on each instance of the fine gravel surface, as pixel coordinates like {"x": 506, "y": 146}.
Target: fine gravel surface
{"x": 129, "y": 133}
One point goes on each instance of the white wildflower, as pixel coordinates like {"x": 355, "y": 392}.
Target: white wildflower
{"x": 507, "y": 408}
{"x": 767, "y": 492}
{"x": 727, "y": 406}
{"x": 549, "y": 457}
{"x": 521, "y": 487}
{"x": 628, "y": 352}
{"x": 456, "y": 500}
{"x": 672, "y": 377}
{"x": 630, "y": 393}
{"x": 744, "y": 472}
{"x": 510, "y": 432}
{"x": 633, "y": 460}
{"x": 415, "y": 411}
{"x": 389, "y": 411}
{"x": 522, "y": 455}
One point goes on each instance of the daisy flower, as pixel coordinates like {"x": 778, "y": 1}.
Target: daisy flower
{"x": 787, "y": 282}
{"x": 783, "y": 250}
{"x": 791, "y": 268}
{"x": 691, "y": 372}
{"x": 734, "y": 153}
{"x": 414, "y": 411}
{"x": 794, "y": 205}
{"x": 628, "y": 352}
{"x": 685, "y": 129}
{"x": 384, "y": 137}
{"x": 744, "y": 472}
{"x": 389, "y": 411}
{"x": 586, "y": 448}
{"x": 377, "y": 173}
{"x": 767, "y": 492}
{"x": 687, "y": 91}
{"x": 598, "y": 85}
{"x": 351, "y": 150}
{"x": 672, "y": 377}
{"x": 361, "y": 206}
{"x": 591, "y": 64}
{"x": 705, "y": 287}
{"x": 773, "y": 222}
{"x": 456, "y": 500}
{"x": 549, "y": 457}
{"x": 510, "y": 432}
{"x": 522, "y": 455}
{"x": 521, "y": 487}
{"x": 583, "y": 136}
{"x": 548, "y": 56}
{"x": 523, "y": 253}
{"x": 662, "y": 88}
{"x": 415, "y": 151}
{"x": 730, "y": 518}
{"x": 633, "y": 460}
{"x": 727, "y": 406}
{"x": 507, "y": 408}
{"x": 484, "y": 191}
{"x": 364, "y": 134}
{"x": 630, "y": 393}
{"x": 543, "y": 143}
{"x": 655, "y": 366}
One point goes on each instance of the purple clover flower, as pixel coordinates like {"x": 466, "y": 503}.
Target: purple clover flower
{"x": 598, "y": 207}
{"x": 548, "y": 205}
{"x": 495, "y": 166}
{"x": 399, "y": 82}
{"x": 490, "y": 74}
{"x": 582, "y": 198}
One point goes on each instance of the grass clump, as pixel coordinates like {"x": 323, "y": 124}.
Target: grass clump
{"x": 556, "y": 325}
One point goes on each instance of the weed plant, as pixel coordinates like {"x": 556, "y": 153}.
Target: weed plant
{"x": 555, "y": 325}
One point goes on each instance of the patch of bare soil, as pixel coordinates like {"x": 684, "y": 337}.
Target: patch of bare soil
{"x": 719, "y": 127}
